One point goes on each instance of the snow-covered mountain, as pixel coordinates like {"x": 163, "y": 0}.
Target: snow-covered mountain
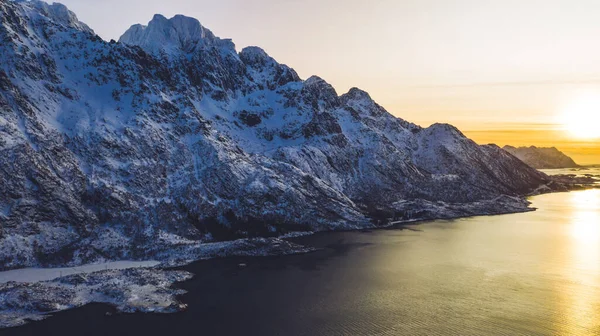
{"x": 541, "y": 157}
{"x": 114, "y": 150}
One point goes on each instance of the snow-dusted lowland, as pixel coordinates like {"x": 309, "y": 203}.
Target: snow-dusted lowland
{"x": 151, "y": 147}
{"x": 129, "y": 290}
{"x": 29, "y": 275}
{"x": 34, "y": 294}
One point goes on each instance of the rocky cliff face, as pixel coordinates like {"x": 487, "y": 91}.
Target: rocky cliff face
{"x": 114, "y": 150}
{"x": 542, "y": 158}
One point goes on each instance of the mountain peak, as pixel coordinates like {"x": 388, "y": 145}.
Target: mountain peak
{"x": 56, "y": 12}
{"x": 319, "y": 84}
{"x": 443, "y": 130}
{"x": 315, "y": 80}
{"x": 255, "y": 56}
{"x": 357, "y": 94}
{"x": 177, "y": 34}
{"x": 159, "y": 17}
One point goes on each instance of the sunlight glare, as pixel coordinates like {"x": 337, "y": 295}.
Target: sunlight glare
{"x": 581, "y": 116}
{"x": 585, "y": 226}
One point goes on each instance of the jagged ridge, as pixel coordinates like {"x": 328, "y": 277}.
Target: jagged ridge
{"x": 119, "y": 150}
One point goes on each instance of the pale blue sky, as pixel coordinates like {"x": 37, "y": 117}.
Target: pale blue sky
{"x": 413, "y": 56}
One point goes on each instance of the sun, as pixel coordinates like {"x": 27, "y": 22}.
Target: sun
{"x": 581, "y": 116}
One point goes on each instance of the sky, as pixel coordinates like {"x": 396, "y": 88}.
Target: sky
{"x": 503, "y": 71}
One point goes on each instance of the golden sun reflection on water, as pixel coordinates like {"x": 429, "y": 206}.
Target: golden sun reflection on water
{"x": 584, "y": 252}
{"x": 585, "y": 225}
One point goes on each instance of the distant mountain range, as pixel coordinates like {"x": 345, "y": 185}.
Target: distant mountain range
{"x": 542, "y": 158}
{"x": 120, "y": 150}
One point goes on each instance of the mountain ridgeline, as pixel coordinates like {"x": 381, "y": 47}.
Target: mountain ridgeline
{"x": 541, "y": 157}
{"x": 112, "y": 150}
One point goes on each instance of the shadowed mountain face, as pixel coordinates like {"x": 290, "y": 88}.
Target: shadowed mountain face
{"x": 542, "y": 158}
{"x": 112, "y": 150}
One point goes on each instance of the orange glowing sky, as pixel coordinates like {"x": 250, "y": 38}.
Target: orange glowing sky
{"x": 504, "y": 71}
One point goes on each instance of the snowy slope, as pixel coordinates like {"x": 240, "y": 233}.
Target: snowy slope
{"x": 117, "y": 150}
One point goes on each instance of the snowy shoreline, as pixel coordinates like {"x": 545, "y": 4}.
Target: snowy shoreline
{"x": 144, "y": 287}
{"x": 129, "y": 286}
{"x": 31, "y": 275}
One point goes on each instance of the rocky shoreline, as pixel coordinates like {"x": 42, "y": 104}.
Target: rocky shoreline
{"x": 148, "y": 289}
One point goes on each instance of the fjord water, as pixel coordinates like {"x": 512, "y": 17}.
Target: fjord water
{"x": 534, "y": 273}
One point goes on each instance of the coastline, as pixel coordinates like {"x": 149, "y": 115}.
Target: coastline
{"x": 154, "y": 289}
{"x": 346, "y": 269}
